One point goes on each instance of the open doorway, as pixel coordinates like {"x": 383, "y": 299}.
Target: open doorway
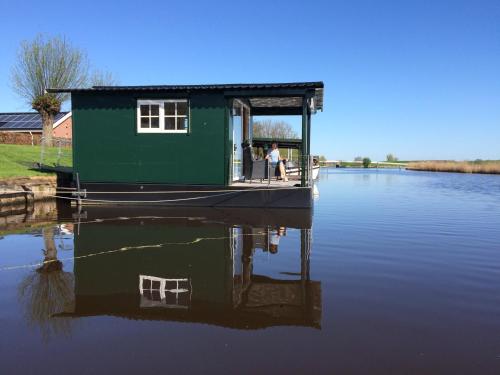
{"x": 240, "y": 128}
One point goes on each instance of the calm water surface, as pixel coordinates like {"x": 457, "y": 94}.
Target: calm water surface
{"x": 394, "y": 272}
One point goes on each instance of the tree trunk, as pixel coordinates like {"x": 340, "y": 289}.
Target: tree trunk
{"x": 47, "y": 121}
{"x": 50, "y": 261}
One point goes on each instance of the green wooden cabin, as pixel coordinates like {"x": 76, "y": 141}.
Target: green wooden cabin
{"x": 179, "y": 134}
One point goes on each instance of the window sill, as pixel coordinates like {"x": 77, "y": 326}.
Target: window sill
{"x": 162, "y": 132}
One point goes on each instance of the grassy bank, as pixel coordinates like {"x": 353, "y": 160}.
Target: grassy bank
{"x": 18, "y": 160}
{"x": 490, "y": 167}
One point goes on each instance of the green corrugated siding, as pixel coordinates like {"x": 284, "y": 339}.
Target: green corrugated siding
{"x": 107, "y": 147}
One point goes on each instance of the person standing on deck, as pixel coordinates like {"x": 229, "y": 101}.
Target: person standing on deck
{"x": 273, "y": 155}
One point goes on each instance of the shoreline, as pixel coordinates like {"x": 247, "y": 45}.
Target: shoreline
{"x": 450, "y": 171}
{"x": 485, "y": 167}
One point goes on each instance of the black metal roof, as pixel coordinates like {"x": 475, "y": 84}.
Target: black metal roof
{"x": 276, "y": 89}
{"x": 224, "y": 86}
{"x": 24, "y": 121}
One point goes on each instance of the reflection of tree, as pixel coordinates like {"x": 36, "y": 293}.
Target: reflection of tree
{"x": 48, "y": 291}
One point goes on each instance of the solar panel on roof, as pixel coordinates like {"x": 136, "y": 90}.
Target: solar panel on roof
{"x": 29, "y": 125}
{"x": 28, "y": 121}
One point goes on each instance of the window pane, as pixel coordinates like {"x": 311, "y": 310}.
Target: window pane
{"x": 169, "y": 123}
{"x": 144, "y": 122}
{"x": 181, "y": 108}
{"x": 155, "y": 122}
{"x": 155, "y": 295}
{"x": 171, "y": 284}
{"x": 144, "y": 110}
{"x": 169, "y": 108}
{"x": 183, "y": 299}
{"x": 181, "y": 123}
{"x": 155, "y": 110}
{"x": 155, "y": 284}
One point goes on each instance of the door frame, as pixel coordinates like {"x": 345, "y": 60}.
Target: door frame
{"x": 245, "y": 108}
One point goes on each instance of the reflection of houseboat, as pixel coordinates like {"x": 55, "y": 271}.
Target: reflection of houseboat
{"x": 182, "y": 145}
{"x": 192, "y": 269}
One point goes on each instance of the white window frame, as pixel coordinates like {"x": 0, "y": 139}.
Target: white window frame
{"x": 161, "y": 103}
{"x": 162, "y": 290}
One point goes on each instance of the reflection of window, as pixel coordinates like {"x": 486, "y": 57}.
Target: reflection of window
{"x": 162, "y": 116}
{"x": 160, "y": 292}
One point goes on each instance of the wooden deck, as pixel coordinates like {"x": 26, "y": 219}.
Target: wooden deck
{"x": 274, "y": 184}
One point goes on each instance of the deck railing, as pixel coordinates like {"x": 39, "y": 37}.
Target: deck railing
{"x": 305, "y": 170}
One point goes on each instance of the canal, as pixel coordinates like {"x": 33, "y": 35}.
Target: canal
{"x": 393, "y": 271}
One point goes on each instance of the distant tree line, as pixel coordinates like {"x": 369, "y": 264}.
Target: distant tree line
{"x": 274, "y": 129}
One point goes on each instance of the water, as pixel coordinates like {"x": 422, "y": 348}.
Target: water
{"x": 399, "y": 272}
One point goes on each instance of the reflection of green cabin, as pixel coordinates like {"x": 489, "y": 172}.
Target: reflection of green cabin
{"x": 182, "y": 135}
{"x": 214, "y": 277}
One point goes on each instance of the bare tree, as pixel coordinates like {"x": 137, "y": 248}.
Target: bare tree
{"x": 391, "y": 158}
{"x": 48, "y": 63}
{"x": 102, "y": 78}
{"x": 273, "y": 129}
{"x": 47, "y": 291}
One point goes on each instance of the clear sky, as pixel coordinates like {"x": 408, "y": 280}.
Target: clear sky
{"x": 420, "y": 79}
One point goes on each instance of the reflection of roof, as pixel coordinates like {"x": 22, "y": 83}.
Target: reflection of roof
{"x": 271, "y": 303}
{"x": 29, "y": 121}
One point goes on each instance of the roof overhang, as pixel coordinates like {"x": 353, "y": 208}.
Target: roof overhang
{"x": 264, "y": 98}
{"x": 283, "y": 142}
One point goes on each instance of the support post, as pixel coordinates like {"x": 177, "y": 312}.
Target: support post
{"x": 304, "y": 151}
{"x": 308, "y": 131}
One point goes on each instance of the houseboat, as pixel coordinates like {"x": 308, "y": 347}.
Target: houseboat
{"x": 184, "y": 145}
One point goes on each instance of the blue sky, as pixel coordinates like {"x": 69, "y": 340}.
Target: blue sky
{"x": 420, "y": 79}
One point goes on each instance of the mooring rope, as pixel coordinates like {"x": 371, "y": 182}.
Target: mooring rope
{"x": 160, "y": 191}
{"x": 80, "y": 199}
{"x": 131, "y": 201}
{"x": 123, "y": 249}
